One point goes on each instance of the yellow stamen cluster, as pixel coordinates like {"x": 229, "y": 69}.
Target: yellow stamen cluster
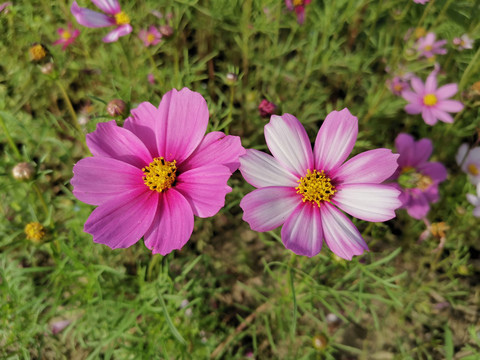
{"x": 423, "y": 182}
{"x": 66, "y": 35}
{"x": 35, "y": 231}
{"x": 473, "y": 169}
{"x": 37, "y": 52}
{"x": 428, "y": 47}
{"x": 430, "y": 99}
{"x": 121, "y": 18}
{"x": 150, "y": 38}
{"x": 315, "y": 187}
{"x": 297, "y": 2}
{"x": 160, "y": 174}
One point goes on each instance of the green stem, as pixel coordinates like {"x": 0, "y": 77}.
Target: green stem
{"x": 10, "y": 140}
{"x": 442, "y": 12}
{"x": 42, "y": 200}
{"x": 427, "y": 9}
{"x": 291, "y": 278}
{"x": 468, "y": 69}
{"x": 69, "y": 105}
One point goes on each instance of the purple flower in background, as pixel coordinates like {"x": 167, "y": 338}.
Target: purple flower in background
{"x": 434, "y": 104}
{"x": 428, "y": 47}
{"x": 305, "y": 190}
{"x": 92, "y": 19}
{"x": 475, "y": 201}
{"x": 463, "y": 42}
{"x": 266, "y": 108}
{"x": 67, "y": 36}
{"x": 399, "y": 84}
{"x": 417, "y": 177}
{"x": 151, "y": 36}
{"x": 469, "y": 162}
{"x": 299, "y": 7}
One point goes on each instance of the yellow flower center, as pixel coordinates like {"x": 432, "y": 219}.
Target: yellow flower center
{"x": 121, "y": 18}
{"x": 297, "y": 2}
{"x": 428, "y": 47}
{"x": 398, "y": 87}
{"x": 66, "y": 35}
{"x": 37, "y": 52}
{"x": 410, "y": 179}
{"x": 315, "y": 187}
{"x": 420, "y": 32}
{"x": 160, "y": 174}
{"x": 150, "y": 38}
{"x": 35, "y": 231}
{"x": 430, "y": 99}
{"x": 423, "y": 182}
{"x": 473, "y": 169}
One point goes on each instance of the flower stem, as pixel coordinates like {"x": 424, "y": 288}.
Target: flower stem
{"x": 469, "y": 68}
{"x": 10, "y": 140}
{"x": 291, "y": 278}
{"x": 42, "y": 200}
{"x": 69, "y": 105}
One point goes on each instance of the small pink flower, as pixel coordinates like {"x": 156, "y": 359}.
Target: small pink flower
{"x": 469, "y": 161}
{"x": 475, "y": 201}
{"x": 301, "y": 189}
{"x": 423, "y": 2}
{"x": 59, "y": 326}
{"x": 417, "y": 177}
{"x": 92, "y": 19}
{"x": 431, "y": 102}
{"x": 3, "y": 6}
{"x": 151, "y": 176}
{"x": 463, "y": 42}
{"x": 151, "y": 36}
{"x": 151, "y": 79}
{"x": 428, "y": 47}
{"x": 266, "y": 108}
{"x": 67, "y": 36}
{"x": 398, "y": 84}
{"x": 299, "y": 7}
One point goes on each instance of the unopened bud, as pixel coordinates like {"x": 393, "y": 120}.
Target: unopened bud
{"x": 166, "y": 30}
{"x": 47, "y": 69}
{"x": 231, "y": 79}
{"x": 319, "y": 342}
{"x": 116, "y": 107}
{"x": 23, "y": 171}
{"x": 266, "y": 108}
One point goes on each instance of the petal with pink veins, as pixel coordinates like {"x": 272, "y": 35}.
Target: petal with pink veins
{"x": 205, "y": 188}
{"x": 370, "y": 202}
{"x": 97, "y": 180}
{"x": 122, "y": 221}
{"x": 335, "y": 140}
{"x": 267, "y": 208}
{"x": 302, "y": 232}
{"x": 172, "y": 225}
{"x": 90, "y": 18}
{"x": 341, "y": 236}
{"x": 112, "y": 141}
{"x": 216, "y": 148}
{"x": 111, "y": 7}
{"x": 262, "y": 170}
{"x": 289, "y": 143}
{"x": 120, "y": 31}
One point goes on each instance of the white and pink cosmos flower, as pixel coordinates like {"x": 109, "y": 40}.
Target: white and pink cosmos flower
{"x": 428, "y": 46}
{"x": 151, "y": 176}
{"x": 432, "y": 102}
{"x": 304, "y": 190}
{"x": 114, "y": 16}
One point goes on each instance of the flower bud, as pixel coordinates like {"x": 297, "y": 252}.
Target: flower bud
{"x": 23, "y": 171}
{"x": 38, "y": 53}
{"x": 35, "y": 232}
{"x": 319, "y": 342}
{"x": 48, "y": 68}
{"x": 231, "y": 79}
{"x": 166, "y": 30}
{"x": 116, "y": 107}
{"x": 266, "y": 108}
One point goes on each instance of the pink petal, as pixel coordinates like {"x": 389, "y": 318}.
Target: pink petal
{"x": 173, "y": 224}
{"x": 446, "y": 91}
{"x": 335, "y": 140}
{"x": 267, "y": 208}
{"x": 289, "y": 144}
{"x": 414, "y": 108}
{"x": 417, "y": 205}
{"x": 205, "y": 188}
{"x": 411, "y": 96}
{"x": 289, "y": 4}
{"x": 142, "y": 124}
{"x": 300, "y": 11}
{"x": 461, "y": 154}
{"x": 181, "y": 124}
{"x": 120, "y": 31}
{"x": 111, "y": 7}
{"x": 341, "y": 236}
{"x": 428, "y": 116}
{"x": 431, "y": 83}
{"x": 97, "y": 180}
{"x": 122, "y": 221}
{"x": 372, "y": 166}
{"x": 452, "y": 106}
{"x": 370, "y": 202}
{"x": 417, "y": 85}
{"x": 405, "y": 145}
{"x": 216, "y": 148}
{"x": 262, "y": 170}
{"x": 442, "y": 115}
{"x": 112, "y": 141}
{"x": 435, "y": 170}
{"x": 302, "y": 232}
{"x": 90, "y": 18}
{"x": 422, "y": 151}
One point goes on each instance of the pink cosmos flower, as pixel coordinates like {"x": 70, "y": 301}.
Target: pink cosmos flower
{"x": 67, "y": 36}
{"x": 299, "y": 7}
{"x": 92, "y": 19}
{"x": 475, "y": 201}
{"x": 423, "y": 2}
{"x": 417, "y": 177}
{"x": 301, "y": 189}
{"x": 266, "y": 108}
{"x": 428, "y": 47}
{"x": 151, "y": 36}
{"x": 4, "y": 5}
{"x": 469, "y": 162}
{"x": 431, "y": 102}
{"x": 463, "y": 42}
{"x": 152, "y": 175}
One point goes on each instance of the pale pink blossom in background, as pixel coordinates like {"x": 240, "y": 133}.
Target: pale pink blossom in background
{"x": 58, "y": 326}
{"x": 151, "y": 79}
{"x": 469, "y": 161}
{"x": 299, "y": 7}
{"x": 428, "y": 47}
{"x": 3, "y": 6}
{"x": 399, "y": 84}
{"x": 463, "y": 42}
{"x": 150, "y": 36}
{"x": 305, "y": 190}
{"x": 475, "y": 201}
{"x": 151, "y": 176}
{"x": 67, "y": 36}
{"x": 423, "y": 2}
{"x": 114, "y": 16}
{"x": 432, "y": 102}
{"x": 417, "y": 177}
